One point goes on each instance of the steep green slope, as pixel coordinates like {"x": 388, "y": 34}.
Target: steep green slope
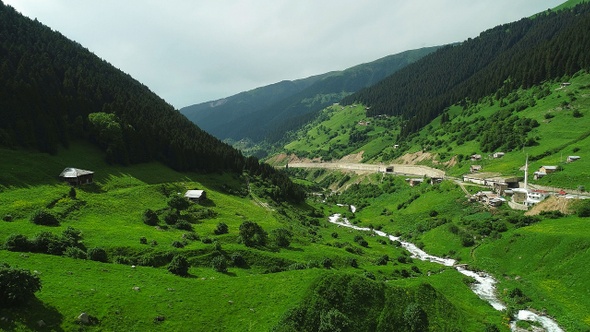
{"x": 523, "y": 53}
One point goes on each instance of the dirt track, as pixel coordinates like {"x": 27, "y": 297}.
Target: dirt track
{"x": 417, "y": 170}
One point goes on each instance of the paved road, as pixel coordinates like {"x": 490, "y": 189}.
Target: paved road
{"x": 416, "y": 170}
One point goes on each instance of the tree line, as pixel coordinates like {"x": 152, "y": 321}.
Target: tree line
{"x": 520, "y": 54}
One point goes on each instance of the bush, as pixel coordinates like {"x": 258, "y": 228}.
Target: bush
{"x": 44, "y": 217}
{"x": 251, "y": 234}
{"x": 177, "y": 244}
{"x": 97, "y": 254}
{"x": 122, "y": 260}
{"x": 17, "y": 242}
{"x": 48, "y": 243}
{"x": 143, "y": 240}
{"x": 583, "y": 210}
{"x": 171, "y": 218}
{"x": 150, "y": 218}
{"x": 382, "y": 260}
{"x": 327, "y": 263}
{"x": 179, "y": 203}
{"x": 222, "y": 228}
{"x": 17, "y": 286}
{"x": 219, "y": 263}
{"x": 7, "y": 217}
{"x": 282, "y": 237}
{"x": 184, "y": 225}
{"x": 179, "y": 266}
{"x": 74, "y": 252}
{"x": 237, "y": 259}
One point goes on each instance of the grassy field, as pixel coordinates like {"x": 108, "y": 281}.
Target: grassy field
{"x": 109, "y": 215}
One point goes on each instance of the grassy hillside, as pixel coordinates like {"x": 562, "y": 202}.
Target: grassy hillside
{"x": 545, "y": 257}
{"x": 562, "y": 122}
{"x": 252, "y": 294}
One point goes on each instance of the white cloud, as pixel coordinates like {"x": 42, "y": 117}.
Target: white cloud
{"x": 195, "y": 51}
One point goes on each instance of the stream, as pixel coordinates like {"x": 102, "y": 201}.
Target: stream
{"x": 484, "y": 285}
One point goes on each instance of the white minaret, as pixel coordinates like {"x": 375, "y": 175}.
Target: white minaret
{"x": 526, "y": 174}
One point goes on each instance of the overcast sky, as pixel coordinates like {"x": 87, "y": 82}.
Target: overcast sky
{"x": 192, "y": 51}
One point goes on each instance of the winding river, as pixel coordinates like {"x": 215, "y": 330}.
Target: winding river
{"x": 484, "y": 285}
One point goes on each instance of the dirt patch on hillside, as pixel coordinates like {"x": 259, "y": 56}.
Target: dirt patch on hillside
{"x": 416, "y": 157}
{"x": 452, "y": 162}
{"x": 353, "y": 158}
{"x": 552, "y": 203}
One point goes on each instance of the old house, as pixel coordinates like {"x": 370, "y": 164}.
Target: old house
{"x": 548, "y": 169}
{"x": 475, "y": 168}
{"x": 475, "y": 157}
{"x": 572, "y": 158}
{"x": 498, "y": 155}
{"x": 76, "y": 176}
{"x": 195, "y": 195}
{"x": 389, "y": 169}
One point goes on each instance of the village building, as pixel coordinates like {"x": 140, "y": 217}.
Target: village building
{"x": 389, "y": 169}
{"x": 537, "y": 175}
{"x": 498, "y": 154}
{"x": 475, "y": 157}
{"x": 548, "y": 169}
{"x": 572, "y": 158}
{"x": 76, "y": 176}
{"x": 489, "y": 198}
{"x": 475, "y": 168}
{"x": 195, "y": 195}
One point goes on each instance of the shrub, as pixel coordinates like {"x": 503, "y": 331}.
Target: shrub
{"x": 143, "y": 240}
{"x": 251, "y": 234}
{"x": 97, "y": 254}
{"x": 44, "y": 217}
{"x": 237, "y": 259}
{"x": 49, "y": 243}
{"x": 382, "y": 260}
{"x": 184, "y": 225}
{"x": 171, "y": 218}
{"x": 75, "y": 252}
{"x": 584, "y": 209}
{"x": 179, "y": 203}
{"x": 222, "y": 228}
{"x": 179, "y": 266}
{"x": 17, "y": 242}
{"x": 72, "y": 193}
{"x": 17, "y": 286}
{"x": 122, "y": 260}
{"x": 219, "y": 263}
{"x": 7, "y": 217}
{"x": 327, "y": 263}
{"x": 72, "y": 236}
{"x": 150, "y": 218}
{"x": 177, "y": 244}
{"x": 282, "y": 237}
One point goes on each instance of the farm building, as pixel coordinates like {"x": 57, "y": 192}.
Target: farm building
{"x": 475, "y": 168}
{"x": 498, "y": 154}
{"x": 195, "y": 195}
{"x": 76, "y": 176}
{"x": 548, "y": 169}
{"x": 572, "y": 158}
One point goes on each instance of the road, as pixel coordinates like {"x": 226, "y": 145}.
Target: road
{"x": 398, "y": 169}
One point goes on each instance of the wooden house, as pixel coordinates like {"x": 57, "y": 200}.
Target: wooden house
{"x": 475, "y": 168}
{"x": 572, "y": 158}
{"x": 195, "y": 195}
{"x": 548, "y": 169}
{"x": 76, "y": 176}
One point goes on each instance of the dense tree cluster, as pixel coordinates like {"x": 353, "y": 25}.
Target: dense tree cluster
{"x": 523, "y": 53}
{"x": 53, "y": 91}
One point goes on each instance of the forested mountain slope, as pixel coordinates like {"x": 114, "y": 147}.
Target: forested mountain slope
{"x": 267, "y": 112}
{"x": 523, "y": 53}
{"x": 54, "y": 91}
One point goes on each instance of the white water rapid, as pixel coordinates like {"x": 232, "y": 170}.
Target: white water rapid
{"x": 484, "y": 286}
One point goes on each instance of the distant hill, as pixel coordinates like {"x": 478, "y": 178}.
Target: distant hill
{"x": 54, "y": 91}
{"x": 267, "y": 112}
{"x": 519, "y": 54}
